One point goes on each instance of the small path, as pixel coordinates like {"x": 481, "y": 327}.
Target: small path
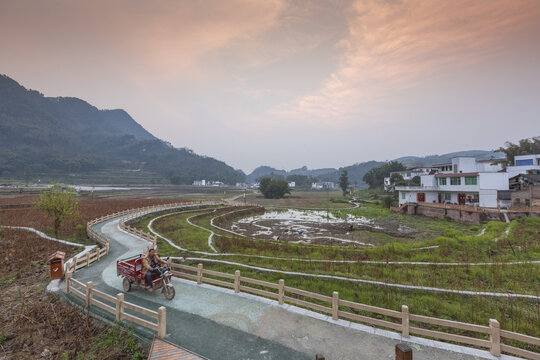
{"x": 223, "y": 229}
{"x": 45, "y": 236}
{"x": 205, "y": 229}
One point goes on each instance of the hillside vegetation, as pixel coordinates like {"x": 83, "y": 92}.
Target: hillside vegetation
{"x": 42, "y": 137}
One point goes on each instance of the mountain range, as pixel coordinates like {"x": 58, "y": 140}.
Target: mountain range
{"x": 357, "y": 171}
{"x": 62, "y": 137}
{"x": 67, "y": 139}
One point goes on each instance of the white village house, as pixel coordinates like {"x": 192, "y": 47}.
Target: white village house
{"x": 408, "y": 174}
{"x": 321, "y": 185}
{"x": 464, "y": 181}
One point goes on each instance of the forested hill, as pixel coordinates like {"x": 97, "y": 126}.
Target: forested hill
{"x": 43, "y": 136}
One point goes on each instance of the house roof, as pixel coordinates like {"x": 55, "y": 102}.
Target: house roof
{"x": 456, "y": 174}
{"x": 534, "y": 178}
{"x": 492, "y": 160}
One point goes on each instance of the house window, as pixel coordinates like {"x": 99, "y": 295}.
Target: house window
{"x": 442, "y": 181}
{"x": 403, "y": 195}
{"x": 471, "y": 180}
{"x": 455, "y": 168}
{"x": 447, "y": 197}
{"x": 476, "y": 198}
{"x": 455, "y": 181}
{"x": 421, "y": 197}
{"x": 524, "y": 162}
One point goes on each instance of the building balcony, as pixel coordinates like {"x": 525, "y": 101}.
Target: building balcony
{"x": 417, "y": 188}
{"x": 442, "y": 188}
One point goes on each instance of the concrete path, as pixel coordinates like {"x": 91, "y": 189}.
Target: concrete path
{"x": 218, "y": 324}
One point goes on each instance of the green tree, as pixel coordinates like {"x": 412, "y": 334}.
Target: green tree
{"x": 59, "y": 203}
{"x": 274, "y": 188}
{"x": 344, "y": 182}
{"x": 524, "y": 147}
{"x": 415, "y": 181}
{"x": 397, "y": 180}
{"x": 375, "y": 177}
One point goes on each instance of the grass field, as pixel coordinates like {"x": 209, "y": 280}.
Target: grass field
{"x": 437, "y": 240}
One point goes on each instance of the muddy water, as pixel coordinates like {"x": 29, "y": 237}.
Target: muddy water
{"x": 311, "y": 227}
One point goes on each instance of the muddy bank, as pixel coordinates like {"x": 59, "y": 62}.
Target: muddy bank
{"x": 312, "y": 227}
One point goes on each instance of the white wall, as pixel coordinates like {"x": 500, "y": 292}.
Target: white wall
{"x": 489, "y": 167}
{"x": 410, "y": 197}
{"x": 493, "y": 181}
{"x": 464, "y": 164}
{"x": 488, "y": 198}
{"x": 428, "y": 180}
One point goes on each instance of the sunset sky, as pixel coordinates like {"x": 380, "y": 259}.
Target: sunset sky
{"x": 291, "y": 83}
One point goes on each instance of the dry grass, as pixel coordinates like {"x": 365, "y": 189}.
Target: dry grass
{"x": 40, "y": 325}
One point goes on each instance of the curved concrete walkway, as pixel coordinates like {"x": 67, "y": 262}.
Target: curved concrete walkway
{"x": 219, "y": 324}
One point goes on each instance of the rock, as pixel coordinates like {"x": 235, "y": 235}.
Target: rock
{"x": 46, "y": 354}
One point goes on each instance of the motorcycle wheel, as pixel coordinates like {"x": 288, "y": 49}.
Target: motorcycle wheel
{"x": 169, "y": 292}
{"x": 126, "y": 284}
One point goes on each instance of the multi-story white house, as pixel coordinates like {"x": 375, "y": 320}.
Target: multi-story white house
{"x": 524, "y": 164}
{"x": 464, "y": 181}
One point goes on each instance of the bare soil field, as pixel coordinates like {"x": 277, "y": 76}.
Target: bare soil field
{"x": 37, "y": 325}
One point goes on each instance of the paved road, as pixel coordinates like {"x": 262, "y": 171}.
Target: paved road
{"x": 219, "y": 324}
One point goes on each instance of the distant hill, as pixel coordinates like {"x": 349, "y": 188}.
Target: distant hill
{"x": 412, "y": 161}
{"x": 357, "y": 171}
{"x": 263, "y": 171}
{"x": 66, "y": 137}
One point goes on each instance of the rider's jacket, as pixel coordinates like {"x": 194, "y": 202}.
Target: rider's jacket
{"x": 147, "y": 262}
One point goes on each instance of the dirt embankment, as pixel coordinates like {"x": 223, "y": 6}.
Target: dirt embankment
{"x": 37, "y": 325}
{"x": 11, "y": 213}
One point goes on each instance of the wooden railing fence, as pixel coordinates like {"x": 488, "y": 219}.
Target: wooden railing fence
{"x": 491, "y": 336}
{"x": 117, "y": 306}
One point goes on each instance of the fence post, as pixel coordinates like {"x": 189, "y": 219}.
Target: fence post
{"x": 162, "y": 322}
{"x": 403, "y": 352}
{"x": 199, "y": 274}
{"x": 335, "y": 305}
{"x": 495, "y": 337}
{"x": 119, "y": 306}
{"x": 68, "y": 281}
{"x": 237, "y": 281}
{"x": 88, "y": 259}
{"x": 404, "y": 321}
{"x": 89, "y": 286}
{"x": 281, "y": 291}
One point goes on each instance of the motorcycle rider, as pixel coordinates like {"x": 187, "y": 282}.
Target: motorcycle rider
{"x": 151, "y": 264}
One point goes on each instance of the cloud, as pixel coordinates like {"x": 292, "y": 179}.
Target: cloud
{"x": 395, "y": 45}
{"x": 163, "y": 39}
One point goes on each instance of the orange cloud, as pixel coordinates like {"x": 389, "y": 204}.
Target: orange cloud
{"x": 397, "y": 44}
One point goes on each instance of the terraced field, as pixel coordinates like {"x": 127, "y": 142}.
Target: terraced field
{"x": 436, "y": 267}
